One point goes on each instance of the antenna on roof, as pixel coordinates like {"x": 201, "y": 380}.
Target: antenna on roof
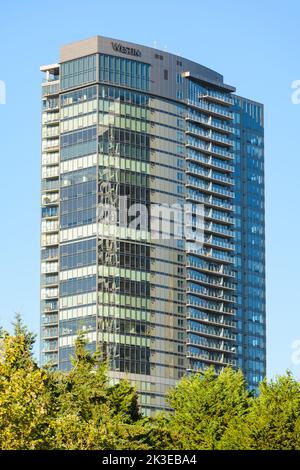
{"x": 155, "y": 44}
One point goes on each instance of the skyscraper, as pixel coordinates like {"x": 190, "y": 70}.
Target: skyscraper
{"x": 152, "y": 216}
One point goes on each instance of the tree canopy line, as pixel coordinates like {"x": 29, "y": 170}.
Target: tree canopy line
{"x": 79, "y": 409}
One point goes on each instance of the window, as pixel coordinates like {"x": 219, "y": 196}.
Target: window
{"x": 179, "y": 79}
{"x": 126, "y": 72}
{"x": 79, "y": 71}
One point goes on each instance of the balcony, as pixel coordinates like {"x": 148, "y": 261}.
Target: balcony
{"x": 50, "y": 199}
{"x": 211, "y": 345}
{"x": 208, "y": 318}
{"x": 211, "y": 332}
{"x": 50, "y": 88}
{"x": 52, "y": 172}
{"x": 196, "y": 156}
{"x": 209, "y": 123}
{"x": 50, "y": 226}
{"x": 50, "y": 132}
{"x": 210, "y": 136}
{"x": 217, "y": 97}
{"x": 218, "y": 269}
{"x": 210, "y": 294}
{"x": 50, "y": 185}
{"x": 209, "y": 174}
{"x": 209, "y": 188}
{"x": 51, "y": 148}
{"x": 210, "y": 281}
{"x": 48, "y": 241}
{"x": 50, "y": 159}
{"x": 49, "y": 319}
{"x": 218, "y": 359}
{"x": 208, "y": 200}
{"x": 209, "y": 149}
{"x": 51, "y": 119}
{"x": 213, "y": 215}
{"x": 211, "y": 109}
{"x": 219, "y": 229}
{"x": 211, "y": 241}
{"x": 204, "y": 304}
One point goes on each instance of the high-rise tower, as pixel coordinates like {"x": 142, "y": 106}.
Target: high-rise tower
{"x": 136, "y": 143}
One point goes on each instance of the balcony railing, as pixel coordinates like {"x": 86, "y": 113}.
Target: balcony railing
{"x": 211, "y": 344}
{"x": 217, "y": 269}
{"x": 209, "y": 122}
{"x": 208, "y": 293}
{"x": 211, "y": 109}
{"x": 204, "y": 279}
{"x": 213, "y": 307}
{"x": 210, "y": 149}
{"x": 207, "y": 318}
{"x": 212, "y": 358}
{"x": 208, "y": 161}
{"x": 218, "y": 97}
{"x": 211, "y": 331}
{"x": 209, "y": 135}
{"x": 209, "y": 174}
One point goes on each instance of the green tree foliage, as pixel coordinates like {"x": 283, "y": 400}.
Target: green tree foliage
{"x": 204, "y": 406}
{"x": 26, "y": 402}
{"x": 272, "y": 421}
{"x": 92, "y": 414}
{"x": 80, "y": 409}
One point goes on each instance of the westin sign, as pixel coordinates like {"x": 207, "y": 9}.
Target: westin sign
{"x": 126, "y": 50}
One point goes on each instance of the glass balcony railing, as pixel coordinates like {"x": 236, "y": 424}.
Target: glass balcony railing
{"x": 209, "y": 148}
{"x": 210, "y": 187}
{"x": 222, "y": 217}
{"x": 208, "y": 173}
{"x": 210, "y": 253}
{"x": 210, "y": 305}
{"x": 218, "y": 97}
{"x": 209, "y": 200}
{"x": 222, "y": 296}
{"x": 206, "y": 317}
{"x": 49, "y": 319}
{"x": 194, "y": 261}
{"x": 204, "y": 278}
{"x": 211, "y": 344}
{"x": 209, "y": 161}
{"x": 211, "y": 240}
{"x": 211, "y": 108}
{"x": 209, "y": 135}
{"x": 209, "y": 122}
{"x": 218, "y": 358}
{"x": 207, "y": 330}
{"x": 50, "y": 158}
{"x": 212, "y": 227}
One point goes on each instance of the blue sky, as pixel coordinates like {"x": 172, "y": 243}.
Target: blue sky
{"x": 254, "y": 44}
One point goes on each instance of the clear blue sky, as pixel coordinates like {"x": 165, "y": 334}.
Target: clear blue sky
{"x": 253, "y": 43}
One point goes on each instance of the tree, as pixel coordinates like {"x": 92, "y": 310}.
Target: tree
{"x": 273, "y": 421}
{"x": 93, "y": 414}
{"x": 80, "y": 409}
{"x": 204, "y": 406}
{"x": 26, "y": 404}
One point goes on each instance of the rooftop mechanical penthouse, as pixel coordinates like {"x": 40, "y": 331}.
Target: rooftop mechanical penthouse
{"x": 121, "y": 121}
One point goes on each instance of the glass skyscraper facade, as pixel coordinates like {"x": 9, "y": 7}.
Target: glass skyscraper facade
{"x": 161, "y": 139}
